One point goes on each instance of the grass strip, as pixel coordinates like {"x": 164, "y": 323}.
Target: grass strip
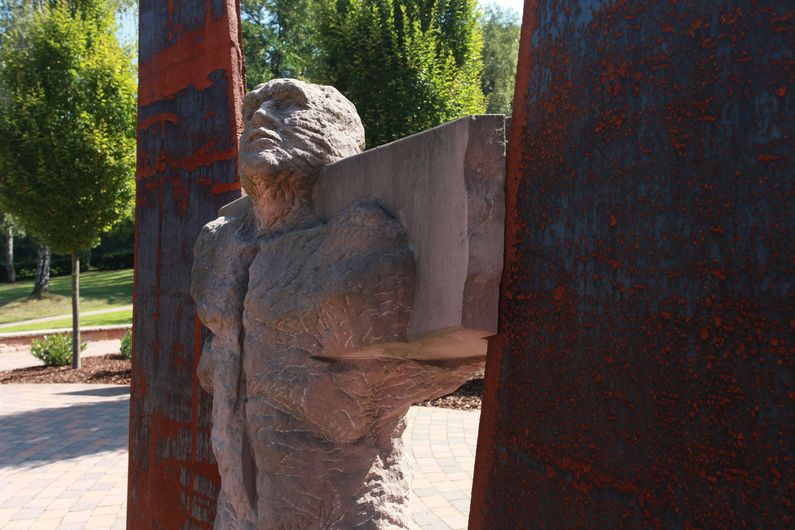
{"x": 116, "y": 318}
{"x": 98, "y": 290}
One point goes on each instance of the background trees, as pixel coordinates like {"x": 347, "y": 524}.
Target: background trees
{"x": 407, "y": 65}
{"x": 278, "y": 39}
{"x": 501, "y": 28}
{"x": 67, "y": 127}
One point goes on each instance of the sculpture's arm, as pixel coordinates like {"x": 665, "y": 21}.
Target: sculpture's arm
{"x": 222, "y": 254}
{"x": 410, "y": 381}
{"x": 344, "y": 401}
{"x": 373, "y": 309}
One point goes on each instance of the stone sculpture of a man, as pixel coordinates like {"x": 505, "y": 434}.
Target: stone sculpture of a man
{"x": 306, "y": 429}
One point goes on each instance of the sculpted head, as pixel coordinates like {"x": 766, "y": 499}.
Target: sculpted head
{"x": 292, "y": 129}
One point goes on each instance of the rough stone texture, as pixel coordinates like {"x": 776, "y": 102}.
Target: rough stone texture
{"x": 446, "y": 187}
{"x": 306, "y": 429}
{"x": 643, "y": 376}
{"x": 190, "y": 91}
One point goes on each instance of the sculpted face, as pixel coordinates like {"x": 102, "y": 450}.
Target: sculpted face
{"x": 291, "y": 129}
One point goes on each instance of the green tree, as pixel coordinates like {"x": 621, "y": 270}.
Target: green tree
{"x": 501, "y": 28}
{"x": 408, "y": 65}
{"x": 278, "y": 39}
{"x": 67, "y": 128}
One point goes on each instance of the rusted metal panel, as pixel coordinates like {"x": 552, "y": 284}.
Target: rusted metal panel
{"x": 644, "y": 376}
{"x": 191, "y": 85}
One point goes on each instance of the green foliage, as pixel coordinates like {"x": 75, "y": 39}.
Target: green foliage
{"x": 408, "y": 65}
{"x": 54, "y": 350}
{"x": 501, "y": 29}
{"x": 126, "y": 345}
{"x": 67, "y": 123}
{"x": 8, "y": 221}
{"x": 278, "y": 39}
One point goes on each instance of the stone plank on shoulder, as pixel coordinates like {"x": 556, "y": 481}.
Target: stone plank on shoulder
{"x": 446, "y": 187}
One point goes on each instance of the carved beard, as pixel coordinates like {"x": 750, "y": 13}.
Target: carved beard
{"x": 282, "y": 193}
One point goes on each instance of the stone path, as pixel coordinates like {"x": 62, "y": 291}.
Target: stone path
{"x": 63, "y": 456}
{"x": 66, "y": 315}
{"x": 63, "y": 459}
{"x": 440, "y": 443}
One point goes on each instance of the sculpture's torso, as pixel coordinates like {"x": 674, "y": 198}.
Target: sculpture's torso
{"x": 311, "y": 291}
{"x": 303, "y": 441}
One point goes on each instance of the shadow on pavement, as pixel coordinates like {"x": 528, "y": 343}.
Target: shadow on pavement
{"x": 120, "y": 390}
{"x": 64, "y": 433}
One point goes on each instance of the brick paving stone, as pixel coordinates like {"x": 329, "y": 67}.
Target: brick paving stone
{"x": 63, "y": 459}
{"x": 440, "y": 443}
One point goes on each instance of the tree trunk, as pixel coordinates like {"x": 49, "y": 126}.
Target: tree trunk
{"x": 41, "y": 284}
{"x": 75, "y": 310}
{"x": 12, "y": 273}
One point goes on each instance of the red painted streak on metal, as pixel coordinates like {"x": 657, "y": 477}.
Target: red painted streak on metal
{"x": 219, "y": 189}
{"x": 174, "y": 68}
{"x": 172, "y": 475}
{"x": 159, "y": 119}
{"x": 204, "y": 156}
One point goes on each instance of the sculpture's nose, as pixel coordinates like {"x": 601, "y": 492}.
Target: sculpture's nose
{"x": 264, "y": 117}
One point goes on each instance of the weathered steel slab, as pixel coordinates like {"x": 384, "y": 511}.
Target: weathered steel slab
{"x": 191, "y": 85}
{"x": 644, "y": 375}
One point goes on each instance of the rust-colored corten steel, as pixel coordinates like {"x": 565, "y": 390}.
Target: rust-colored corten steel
{"x": 191, "y": 87}
{"x": 644, "y": 376}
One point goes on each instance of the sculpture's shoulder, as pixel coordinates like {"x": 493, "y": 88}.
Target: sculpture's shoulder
{"x": 353, "y": 244}
{"x": 369, "y": 266}
{"x": 222, "y": 255}
{"x": 226, "y": 231}
{"x": 363, "y": 232}
{"x": 365, "y": 249}
{"x": 352, "y": 276}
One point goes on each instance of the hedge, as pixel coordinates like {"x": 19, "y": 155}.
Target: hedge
{"x": 62, "y": 265}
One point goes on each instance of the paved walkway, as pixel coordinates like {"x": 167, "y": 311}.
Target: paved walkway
{"x": 23, "y": 359}
{"x": 63, "y": 459}
{"x": 65, "y": 316}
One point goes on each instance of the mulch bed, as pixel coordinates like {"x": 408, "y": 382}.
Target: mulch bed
{"x": 105, "y": 370}
{"x": 468, "y": 397}
{"x": 115, "y": 370}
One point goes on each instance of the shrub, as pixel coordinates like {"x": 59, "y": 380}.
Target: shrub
{"x": 113, "y": 261}
{"x": 126, "y": 345}
{"x": 54, "y": 350}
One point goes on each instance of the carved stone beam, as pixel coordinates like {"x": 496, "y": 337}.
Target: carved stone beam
{"x": 446, "y": 187}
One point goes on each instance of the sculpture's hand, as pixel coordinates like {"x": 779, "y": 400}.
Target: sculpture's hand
{"x": 411, "y": 381}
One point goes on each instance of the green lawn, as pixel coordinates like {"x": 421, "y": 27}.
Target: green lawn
{"x": 115, "y": 318}
{"x": 98, "y": 290}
